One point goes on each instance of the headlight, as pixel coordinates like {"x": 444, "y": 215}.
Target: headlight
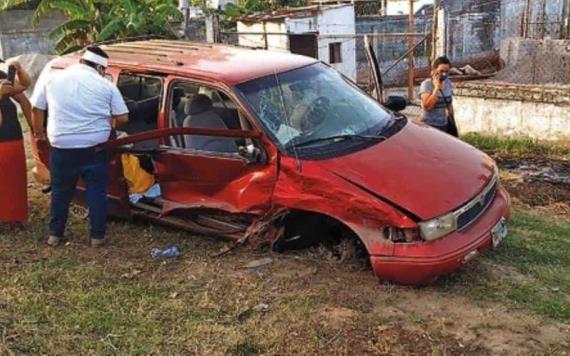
{"x": 436, "y": 228}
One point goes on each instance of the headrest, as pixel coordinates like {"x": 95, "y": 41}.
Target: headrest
{"x": 177, "y": 94}
{"x": 198, "y": 104}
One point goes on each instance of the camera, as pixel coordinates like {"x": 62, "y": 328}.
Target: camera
{"x": 11, "y": 74}
{"x": 443, "y": 76}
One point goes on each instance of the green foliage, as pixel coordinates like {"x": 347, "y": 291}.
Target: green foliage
{"x": 245, "y": 7}
{"x": 92, "y": 21}
{"x": 520, "y": 146}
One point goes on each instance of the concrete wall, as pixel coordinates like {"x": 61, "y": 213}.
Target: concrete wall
{"x": 18, "y": 37}
{"x": 539, "y": 62}
{"x": 338, "y": 20}
{"x": 548, "y": 11}
{"x": 471, "y": 31}
{"x": 514, "y": 110}
{"x": 275, "y": 42}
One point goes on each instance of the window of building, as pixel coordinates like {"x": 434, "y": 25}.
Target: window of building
{"x": 335, "y": 52}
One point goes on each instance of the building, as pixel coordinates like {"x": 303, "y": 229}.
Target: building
{"x": 402, "y": 7}
{"x": 325, "y": 32}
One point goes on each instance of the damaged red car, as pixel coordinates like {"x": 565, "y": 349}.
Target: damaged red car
{"x": 270, "y": 147}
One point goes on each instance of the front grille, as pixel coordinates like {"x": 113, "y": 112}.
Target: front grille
{"x": 475, "y": 208}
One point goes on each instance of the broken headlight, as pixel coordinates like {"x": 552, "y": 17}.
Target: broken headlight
{"x": 395, "y": 234}
{"x": 439, "y": 227}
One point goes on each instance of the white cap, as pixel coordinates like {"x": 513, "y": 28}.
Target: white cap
{"x": 95, "y": 58}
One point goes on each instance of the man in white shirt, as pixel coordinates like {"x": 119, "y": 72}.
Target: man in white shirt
{"x": 83, "y": 108}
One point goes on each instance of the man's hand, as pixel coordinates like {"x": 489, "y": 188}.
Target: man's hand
{"x": 437, "y": 83}
{"x": 40, "y": 136}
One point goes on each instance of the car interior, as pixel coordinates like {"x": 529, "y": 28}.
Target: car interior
{"x": 198, "y": 106}
{"x": 142, "y": 94}
{"x": 191, "y": 105}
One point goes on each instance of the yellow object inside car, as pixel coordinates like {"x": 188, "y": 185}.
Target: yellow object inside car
{"x": 138, "y": 180}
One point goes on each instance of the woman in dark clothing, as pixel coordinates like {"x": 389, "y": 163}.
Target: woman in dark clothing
{"x": 13, "y": 182}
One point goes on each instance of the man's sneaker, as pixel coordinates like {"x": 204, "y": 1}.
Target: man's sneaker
{"x": 96, "y": 243}
{"x": 53, "y": 241}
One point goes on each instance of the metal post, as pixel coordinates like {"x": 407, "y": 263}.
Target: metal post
{"x": 411, "y": 54}
{"x": 527, "y": 17}
{"x": 565, "y": 28}
{"x": 435, "y": 25}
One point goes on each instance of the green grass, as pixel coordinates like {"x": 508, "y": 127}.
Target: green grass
{"x": 519, "y": 146}
{"x": 530, "y": 271}
{"x": 74, "y": 300}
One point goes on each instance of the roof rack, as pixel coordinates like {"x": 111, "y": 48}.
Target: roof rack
{"x": 128, "y": 39}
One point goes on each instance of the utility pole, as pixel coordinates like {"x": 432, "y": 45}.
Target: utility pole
{"x": 184, "y": 7}
{"x": 434, "y": 28}
{"x": 411, "y": 29}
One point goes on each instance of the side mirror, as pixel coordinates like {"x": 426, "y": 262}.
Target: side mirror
{"x": 396, "y": 103}
{"x": 251, "y": 153}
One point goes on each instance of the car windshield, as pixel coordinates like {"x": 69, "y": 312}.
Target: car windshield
{"x": 306, "y": 106}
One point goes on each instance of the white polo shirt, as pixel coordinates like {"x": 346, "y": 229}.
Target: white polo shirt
{"x": 81, "y": 103}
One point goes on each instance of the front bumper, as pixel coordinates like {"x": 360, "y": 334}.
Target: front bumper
{"x": 422, "y": 263}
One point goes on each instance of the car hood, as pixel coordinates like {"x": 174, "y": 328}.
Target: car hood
{"x": 419, "y": 170}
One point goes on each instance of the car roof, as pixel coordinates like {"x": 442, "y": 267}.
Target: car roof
{"x": 229, "y": 64}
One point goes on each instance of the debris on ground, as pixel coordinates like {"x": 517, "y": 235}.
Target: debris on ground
{"x": 170, "y": 252}
{"x": 258, "y": 263}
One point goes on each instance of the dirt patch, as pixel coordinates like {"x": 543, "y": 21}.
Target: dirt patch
{"x": 537, "y": 182}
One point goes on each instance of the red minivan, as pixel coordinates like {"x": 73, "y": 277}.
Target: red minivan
{"x": 277, "y": 148}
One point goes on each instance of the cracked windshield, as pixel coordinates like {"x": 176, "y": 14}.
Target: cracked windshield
{"x": 306, "y": 106}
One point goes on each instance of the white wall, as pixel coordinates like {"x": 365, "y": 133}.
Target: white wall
{"x": 274, "y": 42}
{"x": 338, "y": 20}
{"x": 513, "y": 118}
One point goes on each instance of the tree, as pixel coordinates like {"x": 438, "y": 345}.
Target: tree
{"x": 90, "y": 21}
{"x": 244, "y": 7}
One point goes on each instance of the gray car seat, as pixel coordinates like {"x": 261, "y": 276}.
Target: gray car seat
{"x": 201, "y": 114}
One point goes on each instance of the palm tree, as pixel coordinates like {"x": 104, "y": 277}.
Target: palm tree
{"x": 90, "y": 21}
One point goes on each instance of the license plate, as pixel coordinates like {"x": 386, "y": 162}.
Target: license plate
{"x": 499, "y": 232}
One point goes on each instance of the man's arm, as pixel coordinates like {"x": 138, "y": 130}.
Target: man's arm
{"x": 38, "y": 122}
{"x": 26, "y": 107}
{"x": 119, "y": 120}
{"x": 119, "y": 110}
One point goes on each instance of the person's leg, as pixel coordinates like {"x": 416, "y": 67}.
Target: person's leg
{"x": 96, "y": 176}
{"x": 64, "y": 173}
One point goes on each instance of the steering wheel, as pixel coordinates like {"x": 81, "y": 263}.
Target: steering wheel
{"x": 316, "y": 113}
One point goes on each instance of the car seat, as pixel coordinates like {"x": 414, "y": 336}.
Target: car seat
{"x": 200, "y": 114}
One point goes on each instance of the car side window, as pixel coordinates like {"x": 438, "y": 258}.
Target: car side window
{"x": 142, "y": 94}
{"x": 198, "y": 106}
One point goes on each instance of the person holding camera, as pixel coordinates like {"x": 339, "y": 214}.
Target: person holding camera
{"x": 436, "y": 94}
{"x": 13, "y": 184}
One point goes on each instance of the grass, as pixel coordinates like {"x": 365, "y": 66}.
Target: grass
{"x": 518, "y": 146}
{"x": 531, "y": 271}
{"x": 79, "y": 301}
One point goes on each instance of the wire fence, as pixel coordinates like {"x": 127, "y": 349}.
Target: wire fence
{"x": 476, "y": 37}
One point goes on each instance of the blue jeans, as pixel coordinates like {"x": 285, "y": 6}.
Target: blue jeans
{"x": 66, "y": 166}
